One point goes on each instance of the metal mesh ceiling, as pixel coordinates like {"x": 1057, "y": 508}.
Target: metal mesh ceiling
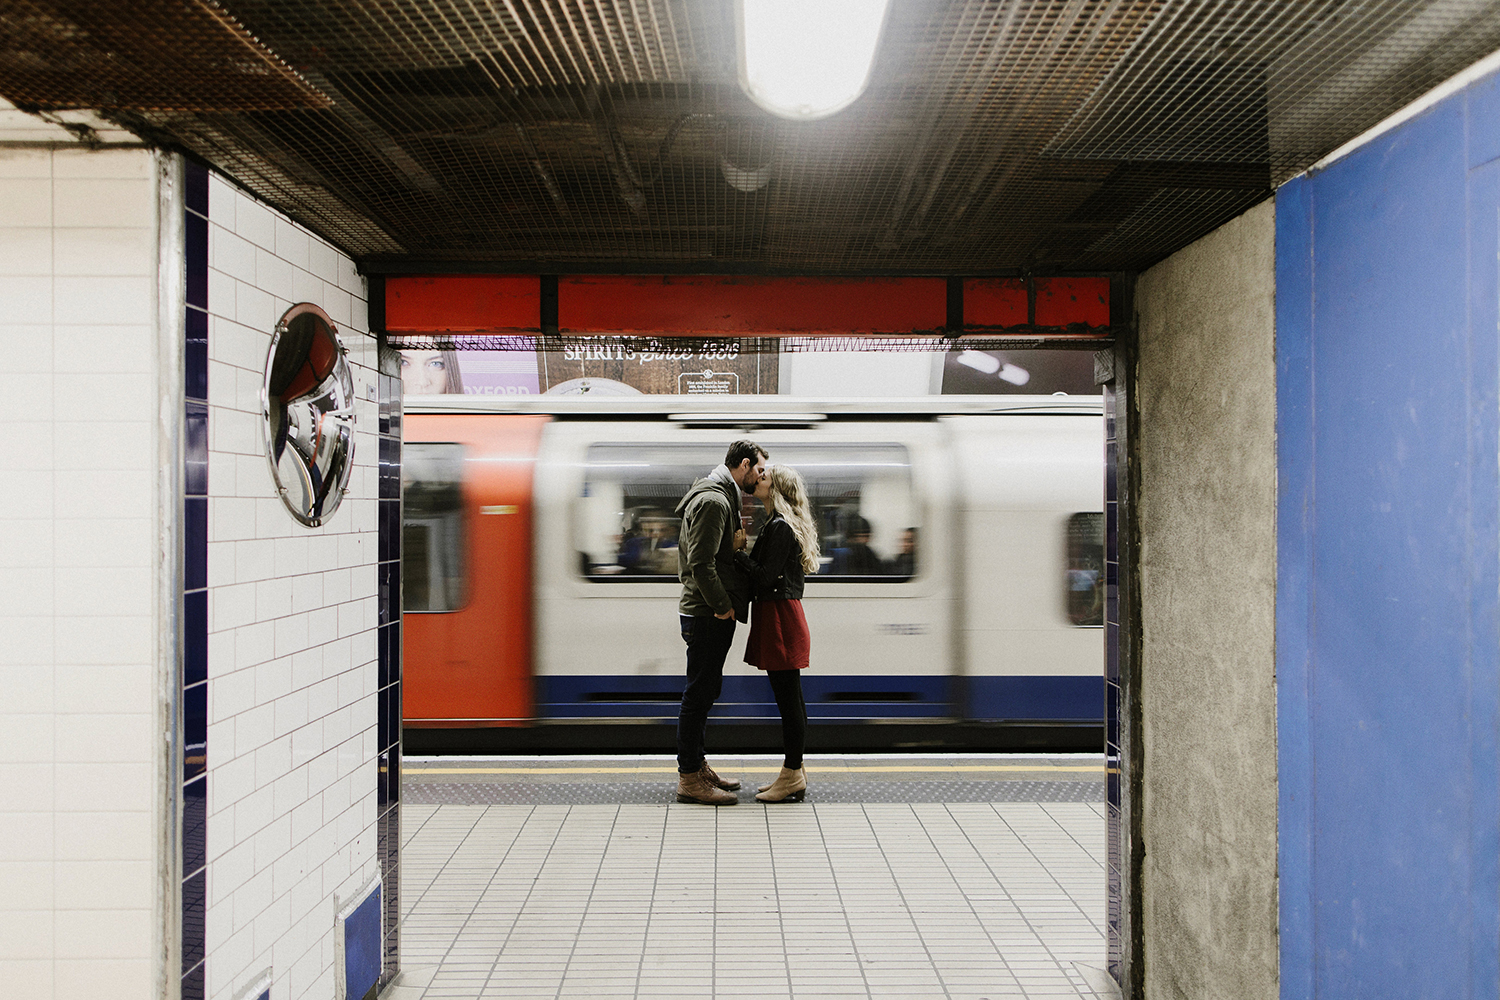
{"x": 996, "y": 136}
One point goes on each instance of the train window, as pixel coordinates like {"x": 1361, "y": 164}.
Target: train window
{"x": 626, "y": 526}
{"x": 432, "y": 529}
{"x": 1085, "y": 583}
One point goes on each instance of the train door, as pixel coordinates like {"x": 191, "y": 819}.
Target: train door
{"x": 466, "y": 569}
{"x": 1031, "y": 629}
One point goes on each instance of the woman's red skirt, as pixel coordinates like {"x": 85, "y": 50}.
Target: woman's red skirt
{"x": 779, "y": 639}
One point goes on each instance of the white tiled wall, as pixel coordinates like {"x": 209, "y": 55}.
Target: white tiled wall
{"x": 79, "y": 754}
{"x": 292, "y": 615}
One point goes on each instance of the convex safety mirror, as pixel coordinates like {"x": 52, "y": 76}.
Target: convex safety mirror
{"x": 307, "y": 402}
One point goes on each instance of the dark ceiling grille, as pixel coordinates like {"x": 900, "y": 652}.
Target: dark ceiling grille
{"x": 145, "y": 55}
{"x": 997, "y": 136}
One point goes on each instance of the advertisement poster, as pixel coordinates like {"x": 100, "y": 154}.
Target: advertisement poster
{"x": 427, "y": 372}
{"x": 630, "y": 367}
{"x": 656, "y": 366}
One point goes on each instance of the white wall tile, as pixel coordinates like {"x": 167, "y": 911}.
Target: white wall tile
{"x": 103, "y": 639}
{"x": 221, "y": 301}
{"x": 87, "y": 979}
{"x": 254, "y": 221}
{"x": 87, "y": 591}
{"x": 104, "y": 541}
{"x": 291, "y": 243}
{"x": 27, "y": 739}
{"x": 255, "y": 307}
{"x": 98, "y": 251}
{"x": 95, "y": 934}
{"x": 27, "y": 201}
{"x": 25, "y": 251}
{"x": 306, "y": 286}
{"x": 92, "y": 738}
{"x": 18, "y": 162}
{"x": 108, "y": 493}
{"x": 95, "y": 445}
{"x": 231, "y": 254}
{"x": 292, "y": 763}
{"x": 254, "y": 644}
{"x": 29, "y": 347}
{"x": 27, "y": 591}
{"x": 102, "y": 885}
{"x": 94, "y": 202}
{"x": 103, "y": 398}
{"x": 104, "y": 836}
{"x": 28, "y": 299}
{"x": 29, "y": 447}
{"x": 27, "y": 687}
{"x": 113, "y": 350}
{"x": 26, "y": 934}
{"x": 273, "y": 274}
{"x": 323, "y": 261}
{"x": 103, "y": 164}
{"x": 103, "y": 689}
{"x": 102, "y": 300}
{"x": 28, "y": 641}
{"x": 95, "y": 786}
{"x": 27, "y": 885}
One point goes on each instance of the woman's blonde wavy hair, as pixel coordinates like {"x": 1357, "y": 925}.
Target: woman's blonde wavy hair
{"x": 789, "y": 498}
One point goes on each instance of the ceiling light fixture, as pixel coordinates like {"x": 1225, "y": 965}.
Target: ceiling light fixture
{"x": 807, "y": 59}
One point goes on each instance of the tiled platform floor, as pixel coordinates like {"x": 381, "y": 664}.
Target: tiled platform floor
{"x": 832, "y": 899}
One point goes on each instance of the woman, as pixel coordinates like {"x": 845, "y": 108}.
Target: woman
{"x": 779, "y": 643}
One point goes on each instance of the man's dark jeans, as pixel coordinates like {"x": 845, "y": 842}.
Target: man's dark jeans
{"x": 708, "y": 640}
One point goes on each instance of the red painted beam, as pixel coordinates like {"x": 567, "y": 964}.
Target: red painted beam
{"x": 1065, "y": 301}
{"x": 995, "y": 302}
{"x": 1001, "y": 302}
{"x": 699, "y": 305}
{"x": 712, "y": 306}
{"x": 491, "y": 303}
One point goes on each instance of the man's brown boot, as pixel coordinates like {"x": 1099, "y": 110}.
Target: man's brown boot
{"x": 728, "y": 784}
{"x": 697, "y": 788}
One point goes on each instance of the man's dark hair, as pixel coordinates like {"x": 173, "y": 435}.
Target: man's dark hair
{"x": 741, "y": 450}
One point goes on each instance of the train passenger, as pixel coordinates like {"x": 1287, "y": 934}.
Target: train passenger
{"x": 652, "y": 547}
{"x": 859, "y": 558}
{"x": 905, "y": 561}
{"x": 715, "y": 594}
{"x": 779, "y": 642}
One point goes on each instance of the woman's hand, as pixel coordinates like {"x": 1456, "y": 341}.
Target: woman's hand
{"x": 739, "y": 539}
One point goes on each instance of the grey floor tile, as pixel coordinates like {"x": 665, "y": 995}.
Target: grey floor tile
{"x": 830, "y": 899}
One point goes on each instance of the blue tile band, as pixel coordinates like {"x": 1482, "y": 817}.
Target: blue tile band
{"x": 194, "y": 680}
{"x": 362, "y": 947}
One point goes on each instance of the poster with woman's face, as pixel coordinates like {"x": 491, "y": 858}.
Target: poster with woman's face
{"x": 429, "y": 371}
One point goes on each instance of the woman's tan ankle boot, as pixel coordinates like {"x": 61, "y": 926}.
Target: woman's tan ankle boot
{"x": 789, "y": 786}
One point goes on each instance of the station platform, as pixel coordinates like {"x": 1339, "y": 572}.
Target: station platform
{"x": 959, "y": 876}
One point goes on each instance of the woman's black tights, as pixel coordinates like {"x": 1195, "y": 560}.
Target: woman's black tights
{"x": 786, "y": 685}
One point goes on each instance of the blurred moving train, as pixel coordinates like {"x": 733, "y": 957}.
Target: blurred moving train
{"x": 962, "y": 578}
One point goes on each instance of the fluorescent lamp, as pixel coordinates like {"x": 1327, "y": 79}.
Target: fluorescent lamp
{"x": 1015, "y": 375}
{"x": 807, "y": 59}
{"x": 980, "y": 361}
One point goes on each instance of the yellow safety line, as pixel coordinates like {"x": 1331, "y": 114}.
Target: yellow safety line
{"x": 671, "y": 769}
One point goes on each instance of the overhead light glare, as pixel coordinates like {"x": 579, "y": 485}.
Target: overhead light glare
{"x": 807, "y": 59}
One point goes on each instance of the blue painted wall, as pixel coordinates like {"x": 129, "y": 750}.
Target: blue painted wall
{"x": 1388, "y": 440}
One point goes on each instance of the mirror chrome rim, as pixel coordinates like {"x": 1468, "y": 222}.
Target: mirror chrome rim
{"x": 320, "y": 455}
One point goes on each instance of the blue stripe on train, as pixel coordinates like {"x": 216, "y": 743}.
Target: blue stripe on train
{"x": 1051, "y": 698}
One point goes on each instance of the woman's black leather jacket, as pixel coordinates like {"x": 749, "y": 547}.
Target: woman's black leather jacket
{"x": 774, "y": 565}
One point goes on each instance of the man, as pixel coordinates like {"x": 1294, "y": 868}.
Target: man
{"x": 715, "y": 594}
